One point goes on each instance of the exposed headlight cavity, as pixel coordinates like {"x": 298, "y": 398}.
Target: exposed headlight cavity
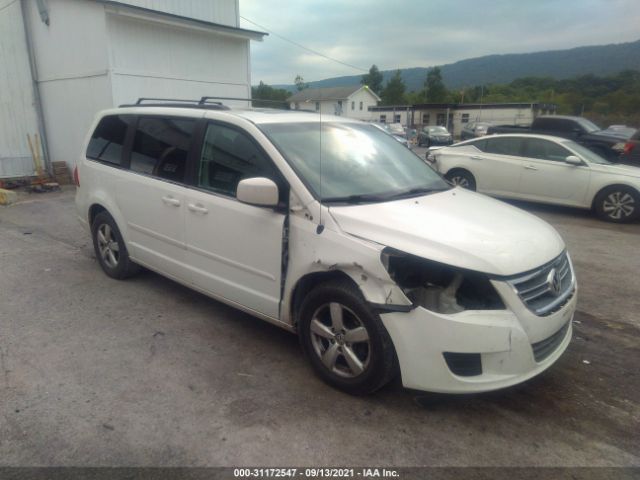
{"x": 438, "y": 287}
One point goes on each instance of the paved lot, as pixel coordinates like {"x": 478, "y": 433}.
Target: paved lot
{"x": 146, "y": 372}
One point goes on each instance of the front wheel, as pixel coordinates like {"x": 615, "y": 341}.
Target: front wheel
{"x": 462, "y": 178}
{"x": 346, "y": 342}
{"x": 619, "y": 204}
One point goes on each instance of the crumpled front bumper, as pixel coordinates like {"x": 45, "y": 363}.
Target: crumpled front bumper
{"x": 503, "y": 338}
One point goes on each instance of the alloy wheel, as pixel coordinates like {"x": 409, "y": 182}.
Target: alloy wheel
{"x": 460, "y": 181}
{"x": 108, "y": 246}
{"x": 619, "y": 205}
{"x": 340, "y": 340}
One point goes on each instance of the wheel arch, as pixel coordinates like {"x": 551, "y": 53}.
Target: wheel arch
{"x": 308, "y": 282}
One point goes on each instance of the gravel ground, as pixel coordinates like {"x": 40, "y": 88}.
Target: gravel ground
{"x": 97, "y": 372}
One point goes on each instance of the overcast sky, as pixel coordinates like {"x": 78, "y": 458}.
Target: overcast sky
{"x": 422, "y": 33}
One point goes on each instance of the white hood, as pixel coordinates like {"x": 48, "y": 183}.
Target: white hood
{"x": 456, "y": 227}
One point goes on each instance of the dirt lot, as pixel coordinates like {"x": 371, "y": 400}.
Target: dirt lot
{"x": 146, "y": 372}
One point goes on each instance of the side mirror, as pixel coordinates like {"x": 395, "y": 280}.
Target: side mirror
{"x": 258, "y": 191}
{"x": 573, "y": 160}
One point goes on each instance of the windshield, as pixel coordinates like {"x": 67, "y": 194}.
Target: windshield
{"x": 588, "y": 125}
{"x": 437, "y": 130}
{"x": 585, "y": 153}
{"x": 359, "y": 162}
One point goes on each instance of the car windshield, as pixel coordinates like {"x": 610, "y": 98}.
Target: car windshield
{"x": 585, "y": 153}
{"x": 588, "y": 125}
{"x": 359, "y": 162}
{"x": 437, "y": 130}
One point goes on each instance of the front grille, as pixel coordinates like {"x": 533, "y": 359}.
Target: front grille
{"x": 464, "y": 364}
{"x": 546, "y": 347}
{"x": 547, "y": 289}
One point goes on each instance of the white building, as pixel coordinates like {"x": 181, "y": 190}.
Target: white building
{"x": 63, "y": 60}
{"x": 455, "y": 115}
{"x": 352, "y": 102}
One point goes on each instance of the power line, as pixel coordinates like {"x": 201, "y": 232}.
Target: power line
{"x": 315, "y": 52}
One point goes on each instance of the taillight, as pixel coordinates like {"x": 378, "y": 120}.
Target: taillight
{"x": 628, "y": 147}
{"x": 76, "y": 178}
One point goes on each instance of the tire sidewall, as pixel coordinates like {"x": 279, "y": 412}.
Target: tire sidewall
{"x": 465, "y": 174}
{"x": 599, "y": 204}
{"x": 120, "y": 270}
{"x": 379, "y": 362}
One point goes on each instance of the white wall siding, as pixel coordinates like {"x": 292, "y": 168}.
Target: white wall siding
{"x": 367, "y": 99}
{"x": 189, "y": 63}
{"x": 17, "y": 112}
{"x": 74, "y": 44}
{"x": 224, "y": 12}
{"x": 69, "y": 109}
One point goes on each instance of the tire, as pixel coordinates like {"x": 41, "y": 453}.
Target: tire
{"x": 618, "y": 204}
{"x": 462, "y": 178}
{"x": 357, "y": 357}
{"x": 110, "y": 248}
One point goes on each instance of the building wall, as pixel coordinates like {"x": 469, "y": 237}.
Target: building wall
{"x": 190, "y": 64}
{"x": 72, "y": 60}
{"x": 367, "y": 100}
{"x": 217, "y": 11}
{"x": 18, "y": 116}
{"x": 327, "y": 107}
{"x": 94, "y": 56}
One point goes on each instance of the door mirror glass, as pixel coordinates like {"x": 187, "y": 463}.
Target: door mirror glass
{"x": 573, "y": 160}
{"x": 258, "y": 191}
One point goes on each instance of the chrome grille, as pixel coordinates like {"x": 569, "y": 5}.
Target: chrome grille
{"x": 545, "y": 290}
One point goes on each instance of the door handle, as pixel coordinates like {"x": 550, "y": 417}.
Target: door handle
{"x": 169, "y": 200}
{"x": 197, "y": 208}
{"x": 475, "y": 157}
{"x": 530, "y": 167}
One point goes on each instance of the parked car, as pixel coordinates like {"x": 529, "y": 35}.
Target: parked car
{"x": 474, "y": 129}
{"x": 396, "y": 133}
{"x": 621, "y": 131}
{"x": 606, "y": 144}
{"x": 543, "y": 169}
{"x": 631, "y": 151}
{"x": 435, "y": 135}
{"x": 334, "y": 231}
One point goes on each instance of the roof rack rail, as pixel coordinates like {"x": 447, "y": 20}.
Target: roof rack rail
{"x": 204, "y": 102}
{"x": 175, "y": 103}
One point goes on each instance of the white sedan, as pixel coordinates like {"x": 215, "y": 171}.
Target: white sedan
{"x": 544, "y": 169}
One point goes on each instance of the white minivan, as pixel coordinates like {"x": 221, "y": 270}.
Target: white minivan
{"x": 330, "y": 228}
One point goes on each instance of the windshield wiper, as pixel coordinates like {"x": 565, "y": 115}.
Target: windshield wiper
{"x": 360, "y": 198}
{"x": 415, "y": 192}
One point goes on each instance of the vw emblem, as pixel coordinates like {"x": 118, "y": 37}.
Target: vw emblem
{"x": 554, "y": 282}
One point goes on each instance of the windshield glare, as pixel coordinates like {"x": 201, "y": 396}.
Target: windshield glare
{"x": 437, "y": 130}
{"x": 357, "y": 160}
{"x": 586, "y": 154}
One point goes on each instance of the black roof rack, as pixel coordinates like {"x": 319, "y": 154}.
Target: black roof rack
{"x": 204, "y": 102}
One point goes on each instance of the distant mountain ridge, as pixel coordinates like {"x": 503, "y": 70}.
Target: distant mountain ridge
{"x": 597, "y": 60}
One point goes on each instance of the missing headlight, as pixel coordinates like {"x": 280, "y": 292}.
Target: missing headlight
{"x": 439, "y": 287}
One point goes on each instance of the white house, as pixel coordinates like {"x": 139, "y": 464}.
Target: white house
{"x": 352, "y": 102}
{"x": 63, "y": 60}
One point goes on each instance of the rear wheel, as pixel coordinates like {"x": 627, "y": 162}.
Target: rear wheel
{"x": 110, "y": 248}
{"x": 618, "y": 204}
{"x": 462, "y": 178}
{"x": 346, "y": 342}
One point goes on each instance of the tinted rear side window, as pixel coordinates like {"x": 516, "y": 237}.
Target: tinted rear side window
{"x": 504, "y": 146}
{"x": 161, "y": 147}
{"x": 108, "y": 138}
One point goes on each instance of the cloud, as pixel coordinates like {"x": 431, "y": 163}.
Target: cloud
{"x": 421, "y": 33}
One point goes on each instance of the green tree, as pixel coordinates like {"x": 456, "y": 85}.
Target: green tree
{"x": 277, "y": 97}
{"x": 373, "y": 80}
{"x": 300, "y": 85}
{"x": 435, "y": 91}
{"x": 393, "y": 93}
